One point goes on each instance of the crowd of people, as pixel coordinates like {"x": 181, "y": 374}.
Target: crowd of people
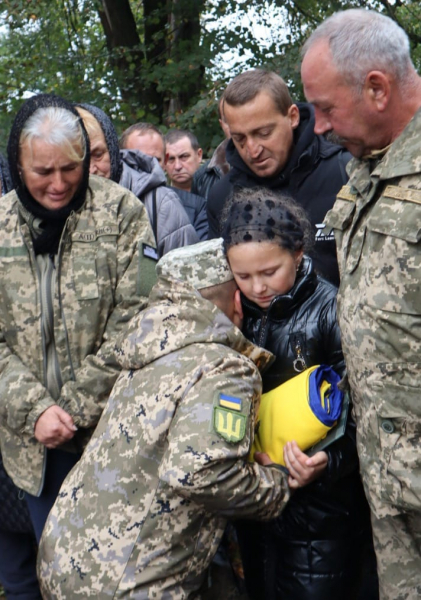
{"x": 150, "y": 300}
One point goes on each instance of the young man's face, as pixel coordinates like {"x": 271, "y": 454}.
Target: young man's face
{"x": 262, "y": 135}
{"x": 181, "y": 163}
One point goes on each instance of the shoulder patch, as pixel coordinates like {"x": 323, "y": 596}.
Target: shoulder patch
{"x": 150, "y": 252}
{"x": 230, "y": 402}
{"x": 230, "y": 425}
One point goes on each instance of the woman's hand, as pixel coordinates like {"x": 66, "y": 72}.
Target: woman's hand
{"x": 303, "y": 469}
{"x": 54, "y": 427}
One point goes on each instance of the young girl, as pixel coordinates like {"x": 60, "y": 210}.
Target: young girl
{"x": 315, "y": 549}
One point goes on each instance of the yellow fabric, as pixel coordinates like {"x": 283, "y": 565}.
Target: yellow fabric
{"x": 285, "y": 415}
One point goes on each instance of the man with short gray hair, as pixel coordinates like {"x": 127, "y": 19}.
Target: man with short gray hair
{"x": 143, "y": 513}
{"x": 358, "y": 74}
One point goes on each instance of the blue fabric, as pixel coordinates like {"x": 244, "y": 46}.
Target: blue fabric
{"x": 329, "y": 413}
{"x": 18, "y": 573}
{"x": 59, "y": 463}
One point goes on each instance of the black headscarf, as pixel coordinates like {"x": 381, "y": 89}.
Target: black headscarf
{"x": 6, "y": 182}
{"x": 111, "y": 139}
{"x": 52, "y": 221}
{"x": 260, "y": 217}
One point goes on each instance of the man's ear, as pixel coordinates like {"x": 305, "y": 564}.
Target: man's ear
{"x": 238, "y": 307}
{"x": 200, "y": 153}
{"x": 294, "y": 115}
{"x": 377, "y": 88}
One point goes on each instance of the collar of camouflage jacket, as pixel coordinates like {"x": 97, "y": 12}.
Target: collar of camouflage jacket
{"x": 178, "y": 316}
{"x": 401, "y": 158}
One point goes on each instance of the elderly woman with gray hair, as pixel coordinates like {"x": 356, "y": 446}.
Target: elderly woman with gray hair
{"x": 75, "y": 266}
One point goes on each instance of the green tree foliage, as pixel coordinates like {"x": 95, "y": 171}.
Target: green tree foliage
{"x": 165, "y": 61}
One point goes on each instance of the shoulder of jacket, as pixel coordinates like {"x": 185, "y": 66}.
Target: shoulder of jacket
{"x": 330, "y": 150}
{"x": 8, "y": 202}
{"x": 324, "y": 296}
{"x": 221, "y": 188}
{"x": 168, "y": 204}
{"x": 110, "y": 197}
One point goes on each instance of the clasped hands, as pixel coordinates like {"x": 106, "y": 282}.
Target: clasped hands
{"x": 302, "y": 469}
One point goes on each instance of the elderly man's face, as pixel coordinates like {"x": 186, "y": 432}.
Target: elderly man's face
{"x": 352, "y": 117}
{"x": 182, "y": 162}
{"x": 262, "y": 135}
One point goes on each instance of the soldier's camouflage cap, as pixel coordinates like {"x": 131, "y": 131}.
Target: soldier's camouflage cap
{"x": 200, "y": 265}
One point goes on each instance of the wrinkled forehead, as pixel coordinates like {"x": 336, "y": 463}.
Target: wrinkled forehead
{"x": 319, "y": 74}
{"x": 179, "y": 147}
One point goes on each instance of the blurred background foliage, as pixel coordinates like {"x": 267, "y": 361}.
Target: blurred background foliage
{"x": 162, "y": 61}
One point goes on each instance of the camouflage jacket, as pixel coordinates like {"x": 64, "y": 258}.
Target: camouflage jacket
{"x": 143, "y": 512}
{"x": 377, "y": 226}
{"x": 102, "y": 279}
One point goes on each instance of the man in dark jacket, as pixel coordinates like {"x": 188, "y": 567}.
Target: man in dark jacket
{"x": 149, "y": 140}
{"x": 273, "y": 145}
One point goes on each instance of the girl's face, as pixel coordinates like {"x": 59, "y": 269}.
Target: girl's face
{"x": 263, "y": 270}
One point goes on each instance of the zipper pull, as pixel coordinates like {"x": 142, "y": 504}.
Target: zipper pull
{"x": 299, "y": 363}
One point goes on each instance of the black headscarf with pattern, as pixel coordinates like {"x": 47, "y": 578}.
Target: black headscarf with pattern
{"x": 259, "y": 215}
{"x": 111, "y": 139}
{"x": 52, "y": 221}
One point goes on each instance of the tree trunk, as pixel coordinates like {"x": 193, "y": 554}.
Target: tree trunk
{"x": 124, "y": 46}
{"x": 171, "y": 48}
{"x": 185, "y": 37}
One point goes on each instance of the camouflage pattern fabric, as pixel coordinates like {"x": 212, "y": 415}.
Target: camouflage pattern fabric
{"x": 102, "y": 279}
{"x": 202, "y": 265}
{"x": 142, "y": 513}
{"x": 377, "y": 227}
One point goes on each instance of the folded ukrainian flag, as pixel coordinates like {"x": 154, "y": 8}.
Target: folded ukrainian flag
{"x": 303, "y": 409}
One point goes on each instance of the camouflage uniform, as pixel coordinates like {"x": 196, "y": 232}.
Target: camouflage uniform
{"x": 101, "y": 279}
{"x": 377, "y": 226}
{"x": 143, "y": 512}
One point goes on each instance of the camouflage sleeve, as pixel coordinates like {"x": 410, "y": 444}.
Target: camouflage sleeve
{"x": 209, "y": 444}
{"x": 84, "y": 398}
{"x": 23, "y": 398}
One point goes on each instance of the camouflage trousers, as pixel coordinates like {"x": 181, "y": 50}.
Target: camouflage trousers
{"x": 397, "y": 541}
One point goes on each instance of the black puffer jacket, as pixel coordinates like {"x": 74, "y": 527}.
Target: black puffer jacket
{"x": 313, "y": 550}
{"x": 299, "y": 327}
{"x": 314, "y": 174}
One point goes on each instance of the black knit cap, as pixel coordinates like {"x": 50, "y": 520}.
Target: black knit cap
{"x": 53, "y": 221}
{"x": 111, "y": 139}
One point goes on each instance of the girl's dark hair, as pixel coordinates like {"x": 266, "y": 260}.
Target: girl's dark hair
{"x": 262, "y": 215}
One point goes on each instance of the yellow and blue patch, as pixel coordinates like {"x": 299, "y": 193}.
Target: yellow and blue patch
{"x": 230, "y": 402}
{"x": 228, "y": 421}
